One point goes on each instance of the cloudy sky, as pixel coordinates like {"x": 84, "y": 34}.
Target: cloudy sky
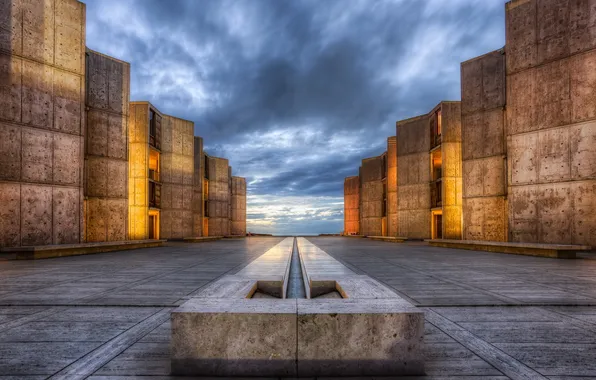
{"x": 295, "y": 92}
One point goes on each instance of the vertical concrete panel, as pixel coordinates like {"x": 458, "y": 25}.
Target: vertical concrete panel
{"x": 584, "y": 206}
{"x": 10, "y": 152}
{"x": 65, "y": 208}
{"x": 219, "y": 196}
{"x": 392, "y": 187}
{"x": 67, "y": 159}
{"x": 36, "y": 156}
{"x": 352, "y": 205}
{"x": 10, "y": 214}
{"x": 582, "y": 71}
{"x": 38, "y": 30}
{"x": 552, "y": 96}
{"x": 37, "y": 95}
{"x": 582, "y": 146}
{"x": 11, "y": 69}
{"x": 11, "y": 26}
{"x": 238, "y": 207}
{"x": 372, "y": 200}
{"x": 107, "y": 164}
{"x": 178, "y": 169}
{"x": 68, "y": 101}
{"x": 36, "y": 215}
{"x": 138, "y": 180}
{"x": 413, "y": 190}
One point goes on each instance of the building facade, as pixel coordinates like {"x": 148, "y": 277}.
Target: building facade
{"x": 516, "y": 160}
{"x": 79, "y": 162}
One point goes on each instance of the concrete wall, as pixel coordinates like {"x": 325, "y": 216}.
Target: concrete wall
{"x": 218, "y": 202}
{"x": 551, "y": 121}
{"x": 42, "y": 81}
{"x": 371, "y": 196}
{"x": 452, "y": 170}
{"x": 177, "y": 178}
{"x": 198, "y": 183}
{"x": 484, "y": 148}
{"x": 413, "y": 178}
{"x": 238, "y": 204}
{"x": 392, "y": 213}
{"x": 352, "y": 205}
{"x": 106, "y": 149}
{"x": 138, "y": 170}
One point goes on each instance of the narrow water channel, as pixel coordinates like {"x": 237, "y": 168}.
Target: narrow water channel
{"x": 295, "y": 282}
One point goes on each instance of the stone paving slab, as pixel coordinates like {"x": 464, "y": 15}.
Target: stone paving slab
{"x": 406, "y": 268}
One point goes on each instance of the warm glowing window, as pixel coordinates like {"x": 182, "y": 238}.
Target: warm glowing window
{"x": 439, "y": 123}
{"x": 154, "y": 165}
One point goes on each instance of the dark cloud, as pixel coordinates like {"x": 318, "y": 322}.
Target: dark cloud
{"x": 295, "y": 93}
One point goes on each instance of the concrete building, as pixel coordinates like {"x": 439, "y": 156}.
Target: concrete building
{"x": 238, "y": 203}
{"x": 373, "y": 196}
{"x": 527, "y": 167}
{"x": 529, "y": 120}
{"x": 42, "y": 122}
{"x": 484, "y": 148}
{"x": 352, "y": 206}
{"x": 218, "y": 196}
{"x": 106, "y": 149}
{"x": 391, "y": 188}
{"x": 78, "y": 162}
{"x": 429, "y": 185}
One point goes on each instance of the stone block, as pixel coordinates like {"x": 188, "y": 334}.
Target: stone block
{"x": 521, "y": 36}
{"x": 118, "y": 86}
{"x": 582, "y": 74}
{"x": 10, "y": 215}
{"x": 521, "y": 90}
{"x": 69, "y": 45}
{"x": 97, "y": 133}
{"x": 117, "y": 179}
{"x": 96, "y": 220}
{"x": 117, "y": 136}
{"x": 10, "y": 152}
{"x": 67, "y": 159}
{"x": 584, "y": 202}
{"x": 68, "y": 101}
{"x": 582, "y": 145}
{"x": 38, "y": 30}
{"x": 11, "y": 73}
{"x": 233, "y": 337}
{"x": 70, "y": 13}
{"x": 36, "y": 155}
{"x": 117, "y": 219}
{"x": 334, "y": 338}
{"x": 36, "y": 215}
{"x": 97, "y": 177}
{"x": 97, "y": 81}
{"x": 11, "y": 26}
{"x": 494, "y": 180}
{"x": 553, "y": 157}
{"x": 65, "y": 215}
{"x": 473, "y": 135}
{"x": 523, "y": 152}
{"x": 37, "y": 95}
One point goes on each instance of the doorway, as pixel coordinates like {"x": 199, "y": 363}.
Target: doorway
{"x": 437, "y": 225}
{"x": 154, "y": 224}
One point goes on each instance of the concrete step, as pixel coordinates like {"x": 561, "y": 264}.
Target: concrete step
{"x": 558, "y": 251}
{"x": 61, "y": 250}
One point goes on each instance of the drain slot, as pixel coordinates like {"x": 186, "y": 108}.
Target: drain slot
{"x": 296, "y": 286}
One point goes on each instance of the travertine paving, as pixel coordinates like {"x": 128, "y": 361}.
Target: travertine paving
{"x": 489, "y": 316}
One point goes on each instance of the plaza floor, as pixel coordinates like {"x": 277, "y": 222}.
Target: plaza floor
{"x": 488, "y": 315}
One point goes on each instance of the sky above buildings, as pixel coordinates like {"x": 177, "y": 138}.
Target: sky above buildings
{"x": 295, "y": 93}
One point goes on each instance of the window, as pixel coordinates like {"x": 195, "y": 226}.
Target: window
{"x": 152, "y": 128}
{"x": 436, "y": 128}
